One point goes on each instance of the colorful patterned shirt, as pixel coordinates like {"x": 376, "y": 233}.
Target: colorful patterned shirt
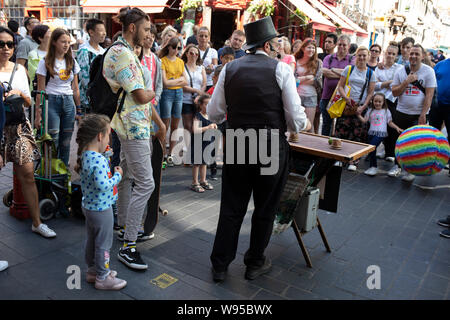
{"x": 122, "y": 69}
{"x": 98, "y": 185}
{"x": 85, "y": 56}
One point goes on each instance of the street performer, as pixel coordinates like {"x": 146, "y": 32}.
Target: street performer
{"x": 256, "y": 93}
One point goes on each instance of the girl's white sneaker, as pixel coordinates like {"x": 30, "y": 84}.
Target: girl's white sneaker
{"x": 372, "y": 171}
{"x": 3, "y": 265}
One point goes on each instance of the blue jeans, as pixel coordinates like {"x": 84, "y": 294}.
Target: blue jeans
{"x": 326, "y": 120}
{"x": 171, "y": 103}
{"x": 61, "y": 120}
{"x": 375, "y": 141}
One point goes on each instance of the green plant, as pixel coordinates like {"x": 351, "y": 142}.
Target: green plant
{"x": 189, "y": 4}
{"x": 261, "y": 8}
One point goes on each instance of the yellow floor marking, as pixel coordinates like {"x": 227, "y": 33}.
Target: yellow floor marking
{"x": 163, "y": 281}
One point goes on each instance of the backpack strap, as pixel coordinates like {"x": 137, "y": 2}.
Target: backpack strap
{"x": 416, "y": 83}
{"x": 368, "y": 77}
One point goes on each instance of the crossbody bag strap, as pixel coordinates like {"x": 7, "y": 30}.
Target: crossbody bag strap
{"x": 204, "y": 55}
{"x": 12, "y": 77}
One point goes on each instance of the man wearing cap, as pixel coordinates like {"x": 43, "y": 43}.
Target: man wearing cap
{"x": 257, "y": 93}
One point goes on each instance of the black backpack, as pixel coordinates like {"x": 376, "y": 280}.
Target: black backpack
{"x": 102, "y": 99}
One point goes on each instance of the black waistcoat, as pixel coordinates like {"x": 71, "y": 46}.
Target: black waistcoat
{"x": 252, "y": 93}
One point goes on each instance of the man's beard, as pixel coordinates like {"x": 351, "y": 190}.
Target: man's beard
{"x": 136, "y": 40}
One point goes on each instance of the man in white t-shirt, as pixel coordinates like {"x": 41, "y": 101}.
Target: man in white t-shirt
{"x": 415, "y": 93}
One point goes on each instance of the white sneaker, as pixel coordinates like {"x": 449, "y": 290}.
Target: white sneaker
{"x": 3, "y": 265}
{"x": 44, "y": 231}
{"x": 408, "y": 177}
{"x": 390, "y": 159}
{"x": 372, "y": 171}
{"x": 395, "y": 171}
{"x": 351, "y": 167}
{"x": 380, "y": 151}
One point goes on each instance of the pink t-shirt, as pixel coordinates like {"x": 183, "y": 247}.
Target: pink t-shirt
{"x": 150, "y": 63}
{"x": 288, "y": 59}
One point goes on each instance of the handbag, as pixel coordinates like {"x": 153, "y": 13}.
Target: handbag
{"x": 337, "y": 103}
{"x": 14, "y": 113}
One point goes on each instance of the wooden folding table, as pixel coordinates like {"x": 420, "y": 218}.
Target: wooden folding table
{"x": 314, "y": 152}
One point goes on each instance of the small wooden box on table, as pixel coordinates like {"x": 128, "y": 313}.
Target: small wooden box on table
{"x": 313, "y": 155}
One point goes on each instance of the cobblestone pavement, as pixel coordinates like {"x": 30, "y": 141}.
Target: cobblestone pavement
{"x": 381, "y": 221}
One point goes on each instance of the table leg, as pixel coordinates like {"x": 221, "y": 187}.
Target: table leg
{"x": 322, "y": 234}
{"x": 302, "y": 245}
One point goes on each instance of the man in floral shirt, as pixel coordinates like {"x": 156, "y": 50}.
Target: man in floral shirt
{"x": 122, "y": 69}
{"x": 85, "y": 56}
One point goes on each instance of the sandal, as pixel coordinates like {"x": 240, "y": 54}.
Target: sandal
{"x": 205, "y": 185}
{"x": 197, "y": 188}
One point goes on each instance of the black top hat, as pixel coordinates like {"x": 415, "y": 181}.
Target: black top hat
{"x": 258, "y": 32}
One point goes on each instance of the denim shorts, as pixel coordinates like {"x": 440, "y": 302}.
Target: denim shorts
{"x": 171, "y": 103}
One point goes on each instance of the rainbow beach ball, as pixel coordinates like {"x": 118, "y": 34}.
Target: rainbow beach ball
{"x": 422, "y": 150}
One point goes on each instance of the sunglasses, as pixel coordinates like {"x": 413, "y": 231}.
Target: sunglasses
{"x": 179, "y": 48}
{"x": 375, "y": 51}
{"x": 10, "y": 44}
{"x": 193, "y": 53}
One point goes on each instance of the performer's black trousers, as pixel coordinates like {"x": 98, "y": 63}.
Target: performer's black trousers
{"x": 238, "y": 184}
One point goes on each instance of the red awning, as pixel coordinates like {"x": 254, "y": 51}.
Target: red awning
{"x": 344, "y": 26}
{"x": 318, "y": 21}
{"x": 113, "y": 6}
{"x": 360, "y": 32}
{"x": 228, "y": 4}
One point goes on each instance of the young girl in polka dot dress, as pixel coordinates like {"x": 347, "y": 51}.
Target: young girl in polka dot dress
{"x": 99, "y": 188}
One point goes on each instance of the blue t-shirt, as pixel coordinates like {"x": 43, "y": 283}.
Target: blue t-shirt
{"x": 98, "y": 187}
{"x": 442, "y": 71}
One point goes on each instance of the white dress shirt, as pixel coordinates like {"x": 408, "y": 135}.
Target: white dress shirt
{"x": 294, "y": 113}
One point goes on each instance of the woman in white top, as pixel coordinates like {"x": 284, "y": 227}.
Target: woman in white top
{"x": 385, "y": 77}
{"x": 57, "y": 75}
{"x": 362, "y": 83}
{"x": 196, "y": 79}
{"x": 308, "y": 74}
{"x": 20, "y": 146}
{"x": 207, "y": 54}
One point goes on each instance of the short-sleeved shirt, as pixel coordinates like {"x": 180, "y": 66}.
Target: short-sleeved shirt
{"x": 174, "y": 69}
{"x": 20, "y": 80}
{"x": 60, "y": 83}
{"x": 25, "y": 46}
{"x": 442, "y": 71}
{"x": 356, "y": 82}
{"x": 330, "y": 84}
{"x": 98, "y": 185}
{"x": 384, "y": 75}
{"x": 197, "y": 81}
{"x": 85, "y": 56}
{"x": 288, "y": 59}
{"x": 122, "y": 69}
{"x": 378, "y": 120}
{"x": 412, "y": 99}
{"x": 212, "y": 54}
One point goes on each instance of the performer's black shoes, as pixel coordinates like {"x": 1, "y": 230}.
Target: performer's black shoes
{"x": 219, "y": 276}
{"x": 252, "y": 273}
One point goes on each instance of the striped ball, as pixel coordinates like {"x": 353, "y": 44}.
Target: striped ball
{"x": 422, "y": 150}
